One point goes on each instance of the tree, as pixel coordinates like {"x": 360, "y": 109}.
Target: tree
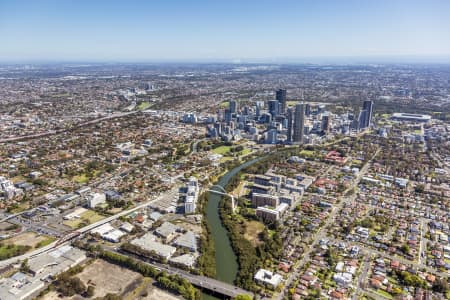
{"x": 24, "y": 267}
{"x": 419, "y": 188}
{"x": 441, "y": 286}
{"x": 405, "y": 249}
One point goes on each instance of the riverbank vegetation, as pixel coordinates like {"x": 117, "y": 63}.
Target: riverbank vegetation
{"x": 207, "y": 260}
{"x": 250, "y": 257}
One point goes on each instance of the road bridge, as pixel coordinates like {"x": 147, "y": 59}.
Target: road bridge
{"x": 223, "y": 193}
{"x": 202, "y": 282}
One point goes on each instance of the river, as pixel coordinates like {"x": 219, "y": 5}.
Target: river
{"x": 226, "y": 261}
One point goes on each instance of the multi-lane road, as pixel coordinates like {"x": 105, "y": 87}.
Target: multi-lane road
{"x": 58, "y": 131}
{"x": 83, "y": 230}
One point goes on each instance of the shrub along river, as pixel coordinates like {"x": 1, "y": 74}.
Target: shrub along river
{"x": 226, "y": 261}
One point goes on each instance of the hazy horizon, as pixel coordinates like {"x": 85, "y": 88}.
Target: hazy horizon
{"x": 263, "y": 31}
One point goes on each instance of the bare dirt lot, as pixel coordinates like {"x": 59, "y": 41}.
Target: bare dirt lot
{"x": 27, "y": 239}
{"x": 108, "y": 278}
{"x": 155, "y": 293}
{"x": 146, "y": 290}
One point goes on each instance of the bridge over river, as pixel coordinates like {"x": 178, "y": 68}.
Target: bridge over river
{"x": 206, "y": 283}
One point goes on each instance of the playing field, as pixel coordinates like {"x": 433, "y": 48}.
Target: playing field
{"x": 221, "y": 150}
{"x": 143, "y": 106}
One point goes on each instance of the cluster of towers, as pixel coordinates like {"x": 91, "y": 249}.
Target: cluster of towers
{"x": 295, "y": 116}
{"x": 299, "y": 124}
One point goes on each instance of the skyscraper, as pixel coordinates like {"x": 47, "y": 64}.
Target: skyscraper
{"x": 281, "y": 97}
{"x": 290, "y": 121}
{"x": 271, "y": 136}
{"x": 307, "y": 109}
{"x": 228, "y": 115}
{"x": 299, "y": 123}
{"x": 233, "y": 106}
{"x": 362, "y": 119}
{"x": 326, "y": 123}
{"x": 274, "y": 108}
{"x": 368, "y": 107}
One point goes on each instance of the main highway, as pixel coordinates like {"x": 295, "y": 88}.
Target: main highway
{"x": 58, "y": 131}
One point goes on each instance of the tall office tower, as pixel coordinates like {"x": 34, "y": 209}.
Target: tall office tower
{"x": 220, "y": 115}
{"x": 326, "y": 123}
{"x": 299, "y": 123}
{"x": 368, "y": 107}
{"x": 307, "y": 109}
{"x": 218, "y": 128}
{"x": 290, "y": 121}
{"x": 228, "y": 115}
{"x": 281, "y": 97}
{"x": 257, "y": 110}
{"x": 272, "y": 136}
{"x": 274, "y": 108}
{"x": 362, "y": 119}
{"x": 233, "y": 106}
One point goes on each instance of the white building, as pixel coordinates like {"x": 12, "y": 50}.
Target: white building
{"x": 268, "y": 278}
{"x": 7, "y": 189}
{"x": 343, "y": 279}
{"x": 109, "y": 233}
{"x": 94, "y": 199}
{"x": 271, "y": 215}
{"x": 191, "y": 196}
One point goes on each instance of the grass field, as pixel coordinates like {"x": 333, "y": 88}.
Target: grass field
{"x": 384, "y": 294}
{"x": 45, "y": 242}
{"x": 9, "y": 250}
{"x": 30, "y": 239}
{"x": 143, "y": 106}
{"x": 252, "y": 231}
{"x": 21, "y": 207}
{"x": 87, "y": 217}
{"x": 225, "y": 158}
{"x": 80, "y": 178}
{"x": 246, "y": 151}
{"x": 307, "y": 153}
{"x": 221, "y": 150}
{"x": 22, "y": 243}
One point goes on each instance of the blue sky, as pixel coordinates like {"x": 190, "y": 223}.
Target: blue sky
{"x": 134, "y": 30}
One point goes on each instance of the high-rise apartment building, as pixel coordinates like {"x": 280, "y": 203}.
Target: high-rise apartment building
{"x": 281, "y": 98}
{"x": 368, "y": 107}
{"x": 290, "y": 124}
{"x": 233, "y": 106}
{"x": 274, "y": 108}
{"x": 299, "y": 123}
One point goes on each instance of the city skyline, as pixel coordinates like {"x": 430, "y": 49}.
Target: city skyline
{"x": 231, "y": 31}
